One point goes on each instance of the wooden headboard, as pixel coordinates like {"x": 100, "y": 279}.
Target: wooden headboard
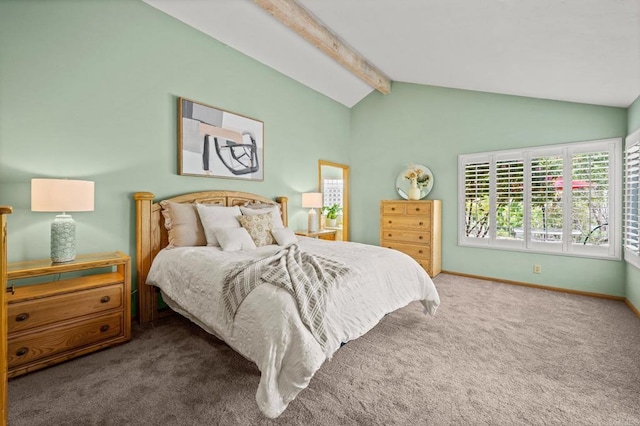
{"x": 152, "y": 236}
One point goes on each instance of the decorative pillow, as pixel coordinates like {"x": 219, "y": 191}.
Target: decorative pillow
{"x": 253, "y": 209}
{"x": 215, "y": 217}
{"x": 284, "y": 236}
{"x": 183, "y": 224}
{"x": 259, "y": 227}
{"x": 234, "y": 239}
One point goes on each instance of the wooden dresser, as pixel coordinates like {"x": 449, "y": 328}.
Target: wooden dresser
{"x": 55, "y": 321}
{"x": 414, "y": 228}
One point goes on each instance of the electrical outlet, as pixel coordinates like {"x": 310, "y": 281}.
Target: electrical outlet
{"x": 537, "y": 269}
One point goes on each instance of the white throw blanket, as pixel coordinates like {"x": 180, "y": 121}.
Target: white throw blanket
{"x": 306, "y": 277}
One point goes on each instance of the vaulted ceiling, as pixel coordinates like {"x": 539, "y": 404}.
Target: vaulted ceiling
{"x": 585, "y": 51}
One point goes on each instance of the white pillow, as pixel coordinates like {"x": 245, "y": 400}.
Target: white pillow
{"x": 284, "y": 236}
{"x": 234, "y": 239}
{"x": 214, "y": 217}
{"x": 274, "y": 210}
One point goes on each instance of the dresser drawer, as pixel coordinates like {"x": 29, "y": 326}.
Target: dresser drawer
{"x": 426, "y": 265}
{"x": 402, "y": 235}
{"x": 34, "y": 313}
{"x": 415, "y": 251}
{"x": 393, "y": 208}
{"x": 406, "y": 222}
{"x": 419, "y": 209}
{"x": 48, "y": 342}
{"x": 328, "y": 237}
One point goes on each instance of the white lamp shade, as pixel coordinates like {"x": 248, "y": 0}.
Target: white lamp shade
{"x": 62, "y": 195}
{"x": 312, "y": 200}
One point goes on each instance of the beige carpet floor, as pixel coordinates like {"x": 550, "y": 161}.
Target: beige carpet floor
{"x": 494, "y": 354}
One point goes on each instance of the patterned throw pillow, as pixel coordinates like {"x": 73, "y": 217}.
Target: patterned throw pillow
{"x": 259, "y": 227}
{"x": 252, "y": 209}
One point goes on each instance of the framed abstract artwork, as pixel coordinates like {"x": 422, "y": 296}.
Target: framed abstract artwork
{"x": 216, "y": 143}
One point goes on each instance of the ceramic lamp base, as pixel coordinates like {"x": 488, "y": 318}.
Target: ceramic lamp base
{"x": 312, "y": 223}
{"x": 63, "y": 239}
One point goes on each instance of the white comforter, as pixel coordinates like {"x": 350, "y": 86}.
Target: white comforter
{"x": 267, "y": 328}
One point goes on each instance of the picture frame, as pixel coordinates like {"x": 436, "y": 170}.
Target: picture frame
{"x": 213, "y": 142}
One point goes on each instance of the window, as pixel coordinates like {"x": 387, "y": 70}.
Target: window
{"x": 518, "y": 199}
{"x": 332, "y": 190}
{"x": 631, "y": 194}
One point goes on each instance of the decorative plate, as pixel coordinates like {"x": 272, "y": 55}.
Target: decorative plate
{"x": 403, "y": 185}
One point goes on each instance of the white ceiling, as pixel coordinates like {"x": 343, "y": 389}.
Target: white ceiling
{"x": 585, "y": 51}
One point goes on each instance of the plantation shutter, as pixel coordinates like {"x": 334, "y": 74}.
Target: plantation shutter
{"x": 632, "y": 183}
{"x": 589, "y": 194}
{"x": 560, "y": 199}
{"x": 546, "y": 206}
{"x": 509, "y": 199}
{"x": 476, "y": 199}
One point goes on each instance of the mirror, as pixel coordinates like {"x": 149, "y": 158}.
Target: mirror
{"x": 333, "y": 183}
{"x": 423, "y": 183}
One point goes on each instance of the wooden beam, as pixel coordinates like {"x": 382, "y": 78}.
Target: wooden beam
{"x": 294, "y": 16}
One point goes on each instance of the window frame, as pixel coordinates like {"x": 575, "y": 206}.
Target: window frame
{"x": 612, "y": 251}
{"x": 630, "y": 256}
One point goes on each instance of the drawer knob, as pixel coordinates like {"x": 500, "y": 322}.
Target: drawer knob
{"x": 388, "y": 235}
{"x": 104, "y": 328}
{"x": 420, "y": 223}
{"x": 417, "y": 209}
{"x": 390, "y": 222}
{"x": 104, "y": 299}
{"x": 393, "y": 208}
{"x": 22, "y": 317}
{"x": 420, "y": 237}
{"x": 22, "y": 351}
{"x": 420, "y": 251}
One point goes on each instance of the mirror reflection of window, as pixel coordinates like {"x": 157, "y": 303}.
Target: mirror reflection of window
{"x": 332, "y": 192}
{"x": 333, "y": 180}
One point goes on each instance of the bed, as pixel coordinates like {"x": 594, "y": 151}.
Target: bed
{"x": 271, "y": 324}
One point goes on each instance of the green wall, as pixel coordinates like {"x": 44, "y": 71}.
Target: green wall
{"x": 633, "y": 274}
{"x": 431, "y": 126}
{"x": 88, "y": 90}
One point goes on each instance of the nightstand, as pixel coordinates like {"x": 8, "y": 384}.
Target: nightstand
{"x": 323, "y": 234}
{"x": 58, "y": 320}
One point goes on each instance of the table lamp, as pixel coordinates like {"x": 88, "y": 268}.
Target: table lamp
{"x": 62, "y": 195}
{"x": 312, "y": 201}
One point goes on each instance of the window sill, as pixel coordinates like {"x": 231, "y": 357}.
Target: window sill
{"x": 598, "y": 256}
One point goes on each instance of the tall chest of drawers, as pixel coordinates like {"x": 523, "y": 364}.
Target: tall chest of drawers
{"x": 414, "y": 228}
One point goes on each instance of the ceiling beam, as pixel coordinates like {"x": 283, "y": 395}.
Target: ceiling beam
{"x": 296, "y": 17}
